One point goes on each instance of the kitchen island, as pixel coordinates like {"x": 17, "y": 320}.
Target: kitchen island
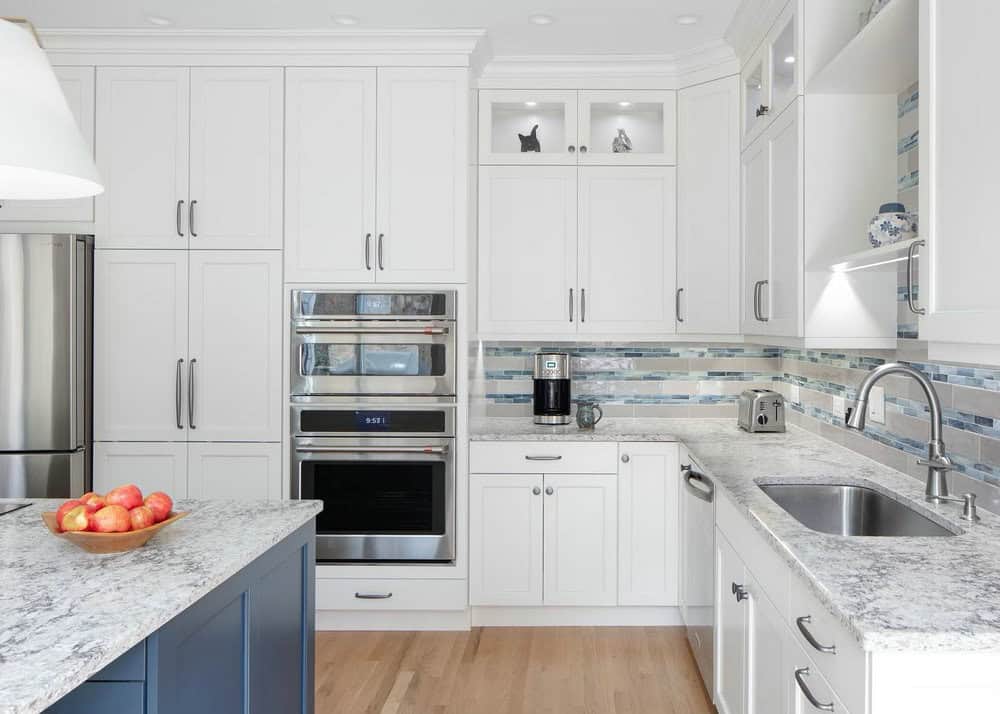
{"x": 216, "y": 610}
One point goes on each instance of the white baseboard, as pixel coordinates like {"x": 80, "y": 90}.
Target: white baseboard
{"x": 575, "y": 616}
{"x": 348, "y": 620}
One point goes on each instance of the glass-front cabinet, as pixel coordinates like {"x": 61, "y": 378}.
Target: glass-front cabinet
{"x": 527, "y": 127}
{"x": 771, "y": 79}
{"x": 627, "y": 127}
{"x": 612, "y": 127}
{"x": 756, "y": 97}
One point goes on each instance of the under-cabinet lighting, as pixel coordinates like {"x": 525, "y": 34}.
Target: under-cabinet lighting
{"x": 843, "y": 267}
{"x": 159, "y": 20}
{"x": 624, "y": 105}
{"x": 531, "y": 104}
{"x": 541, "y": 19}
{"x": 790, "y": 59}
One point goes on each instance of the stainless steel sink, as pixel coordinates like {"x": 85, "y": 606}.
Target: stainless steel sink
{"x": 850, "y": 511}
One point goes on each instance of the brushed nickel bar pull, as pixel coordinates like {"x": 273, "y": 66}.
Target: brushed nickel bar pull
{"x": 373, "y": 450}
{"x": 381, "y": 265}
{"x": 910, "y": 302}
{"x": 191, "y": 219}
{"x": 571, "y": 304}
{"x": 368, "y": 251}
{"x": 800, "y": 674}
{"x": 543, "y": 458}
{"x": 179, "y": 218}
{"x": 764, "y": 283}
{"x": 191, "y": 365}
{"x": 583, "y": 304}
{"x": 372, "y": 330}
{"x": 801, "y": 623}
{"x": 178, "y": 393}
{"x": 677, "y": 304}
{"x": 373, "y": 596}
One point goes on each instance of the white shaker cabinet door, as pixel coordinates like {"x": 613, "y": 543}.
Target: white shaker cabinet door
{"x": 648, "y": 524}
{"x": 142, "y": 156}
{"x": 708, "y": 208}
{"x": 151, "y": 467}
{"x": 581, "y": 539}
{"x": 77, "y": 84}
{"x": 756, "y": 177}
{"x": 422, "y": 175}
{"x": 730, "y": 630}
{"x": 237, "y": 139}
{"x": 242, "y": 472}
{"x": 527, "y": 250}
{"x": 330, "y": 175}
{"x": 627, "y": 260}
{"x": 768, "y": 678}
{"x": 234, "y": 370}
{"x": 505, "y": 539}
{"x": 140, "y": 344}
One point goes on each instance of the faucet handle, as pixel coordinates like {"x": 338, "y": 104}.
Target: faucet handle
{"x": 942, "y": 463}
{"x": 969, "y": 509}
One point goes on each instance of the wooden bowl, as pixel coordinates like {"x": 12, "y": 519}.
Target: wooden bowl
{"x": 110, "y": 542}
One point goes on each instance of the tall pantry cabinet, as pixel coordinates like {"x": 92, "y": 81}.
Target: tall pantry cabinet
{"x": 188, "y": 284}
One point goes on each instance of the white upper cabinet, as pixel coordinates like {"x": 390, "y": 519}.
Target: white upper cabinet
{"x": 236, "y": 158}
{"x": 527, "y": 127}
{"x": 756, "y": 176}
{"x": 77, "y": 84}
{"x": 234, "y": 366}
{"x": 959, "y": 183}
{"x": 756, "y": 96}
{"x": 621, "y": 127}
{"x": 422, "y": 186}
{"x": 142, "y": 156}
{"x": 527, "y": 250}
{"x": 189, "y": 155}
{"x": 771, "y": 79}
{"x": 627, "y": 127}
{"x": 627, "y": 231}
{"x": 330, "y": 175}
{"x": 708, "y": 208}
{"x": 140, "y": 345}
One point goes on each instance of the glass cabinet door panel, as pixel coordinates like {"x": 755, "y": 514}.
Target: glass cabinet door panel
{"x": 785, "y": 63}
{"x": 527, "y": 127}
{"x": 755, "y": 98}
{"x": 630, "y": 127}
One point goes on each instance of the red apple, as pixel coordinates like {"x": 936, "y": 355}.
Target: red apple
{"x": 75, "y": 519}
{"x": 128, "y": 497}
{"x": 93, "y": 502}
{"x": 161, "y": 504}
{"x": 141, "y": 517}
{"x": 63, "y": 510}
{"x": 112, "y": 519}
{"x": 87, "y": 495}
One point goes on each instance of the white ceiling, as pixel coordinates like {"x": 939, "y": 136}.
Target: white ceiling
{"x": 580, "y": 27}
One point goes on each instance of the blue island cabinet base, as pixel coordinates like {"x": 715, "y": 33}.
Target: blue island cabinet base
{"x": 248, "y": 647}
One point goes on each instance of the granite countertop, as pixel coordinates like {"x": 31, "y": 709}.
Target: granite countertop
{"x": 900, "y": 594}
{"x": 617, "y": 429}
{"x": 66, "y": 614}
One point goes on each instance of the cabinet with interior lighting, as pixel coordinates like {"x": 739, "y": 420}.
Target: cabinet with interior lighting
{"x": 607, "y": 127}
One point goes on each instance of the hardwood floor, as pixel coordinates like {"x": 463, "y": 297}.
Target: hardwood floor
{"x": 558, "y": 670}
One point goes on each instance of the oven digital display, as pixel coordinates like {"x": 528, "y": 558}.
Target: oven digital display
{"x": 373, "y": 421}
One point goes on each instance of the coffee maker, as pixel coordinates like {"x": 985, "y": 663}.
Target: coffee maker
{"x": 552, "y": 390}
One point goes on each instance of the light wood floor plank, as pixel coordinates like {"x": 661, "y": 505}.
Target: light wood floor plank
{"x": 496, "y": 670}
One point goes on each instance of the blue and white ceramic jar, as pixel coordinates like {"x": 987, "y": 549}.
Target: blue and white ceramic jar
{"x": 891, "y": 225}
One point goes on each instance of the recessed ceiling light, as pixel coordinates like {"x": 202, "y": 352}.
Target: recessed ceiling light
{"x": 159, "y": 20}
{"x": 624, "y": 105}
{"x": 687, "y": 19}
{"x": 345, "y": 19}
{"x": 541, "y": 18}
{"x": 790, "y": 59}
{"x": 531, "y": 104}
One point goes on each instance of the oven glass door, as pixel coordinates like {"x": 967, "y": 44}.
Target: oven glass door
{"x": 364, "y": 362}
{"x": 380, "y": 506}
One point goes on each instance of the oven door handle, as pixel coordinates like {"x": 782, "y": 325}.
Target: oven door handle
{"x": 372, "y": 330}
{"x": 372, "y": 450}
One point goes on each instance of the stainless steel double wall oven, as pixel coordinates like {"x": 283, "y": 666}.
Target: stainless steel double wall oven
{"x": 373, "y": 390}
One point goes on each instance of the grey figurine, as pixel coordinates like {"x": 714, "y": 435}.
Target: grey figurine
{"x": 622, "y": 144}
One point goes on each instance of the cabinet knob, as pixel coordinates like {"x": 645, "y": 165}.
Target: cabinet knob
{"x": 571, "y": 149}
{"x": 536, "y": 490}
{"x": 583, "y": 149}
{"x": 549, "y": 490}
{"x": 625, "y": 458}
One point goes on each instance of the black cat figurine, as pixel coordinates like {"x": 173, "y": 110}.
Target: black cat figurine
{"x": 530, "y": 142}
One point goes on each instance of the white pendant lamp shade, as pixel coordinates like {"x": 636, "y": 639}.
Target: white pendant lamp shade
{"x": 42, "y": 154}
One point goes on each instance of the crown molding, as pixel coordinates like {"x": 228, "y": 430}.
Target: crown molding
{"x": 647, "y": 71}
{"x": 256, "y": 47}
{"x": 750, "y": 24}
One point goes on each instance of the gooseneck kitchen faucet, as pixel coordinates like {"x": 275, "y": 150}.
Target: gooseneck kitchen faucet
{"x": 937, "y": 463}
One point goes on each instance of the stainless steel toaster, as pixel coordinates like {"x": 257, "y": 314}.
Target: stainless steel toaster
{"x": 761, "y": 410}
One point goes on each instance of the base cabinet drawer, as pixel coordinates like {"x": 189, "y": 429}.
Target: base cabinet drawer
{"x": 542, "y": 457}
{"x": 385, "y": 594}
{"x": 811, "y": 692}
{"x": 836, "y": 652}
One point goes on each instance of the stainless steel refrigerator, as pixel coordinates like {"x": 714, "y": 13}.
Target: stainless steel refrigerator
{"x": 46, "y": 363}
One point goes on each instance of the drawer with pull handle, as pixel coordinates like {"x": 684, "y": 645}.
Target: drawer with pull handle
{"x": 390, "y": 594}
{"x": 811, "y": 691}
{"x": 831, "y": 646}
{"x": 535, "y": 457}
